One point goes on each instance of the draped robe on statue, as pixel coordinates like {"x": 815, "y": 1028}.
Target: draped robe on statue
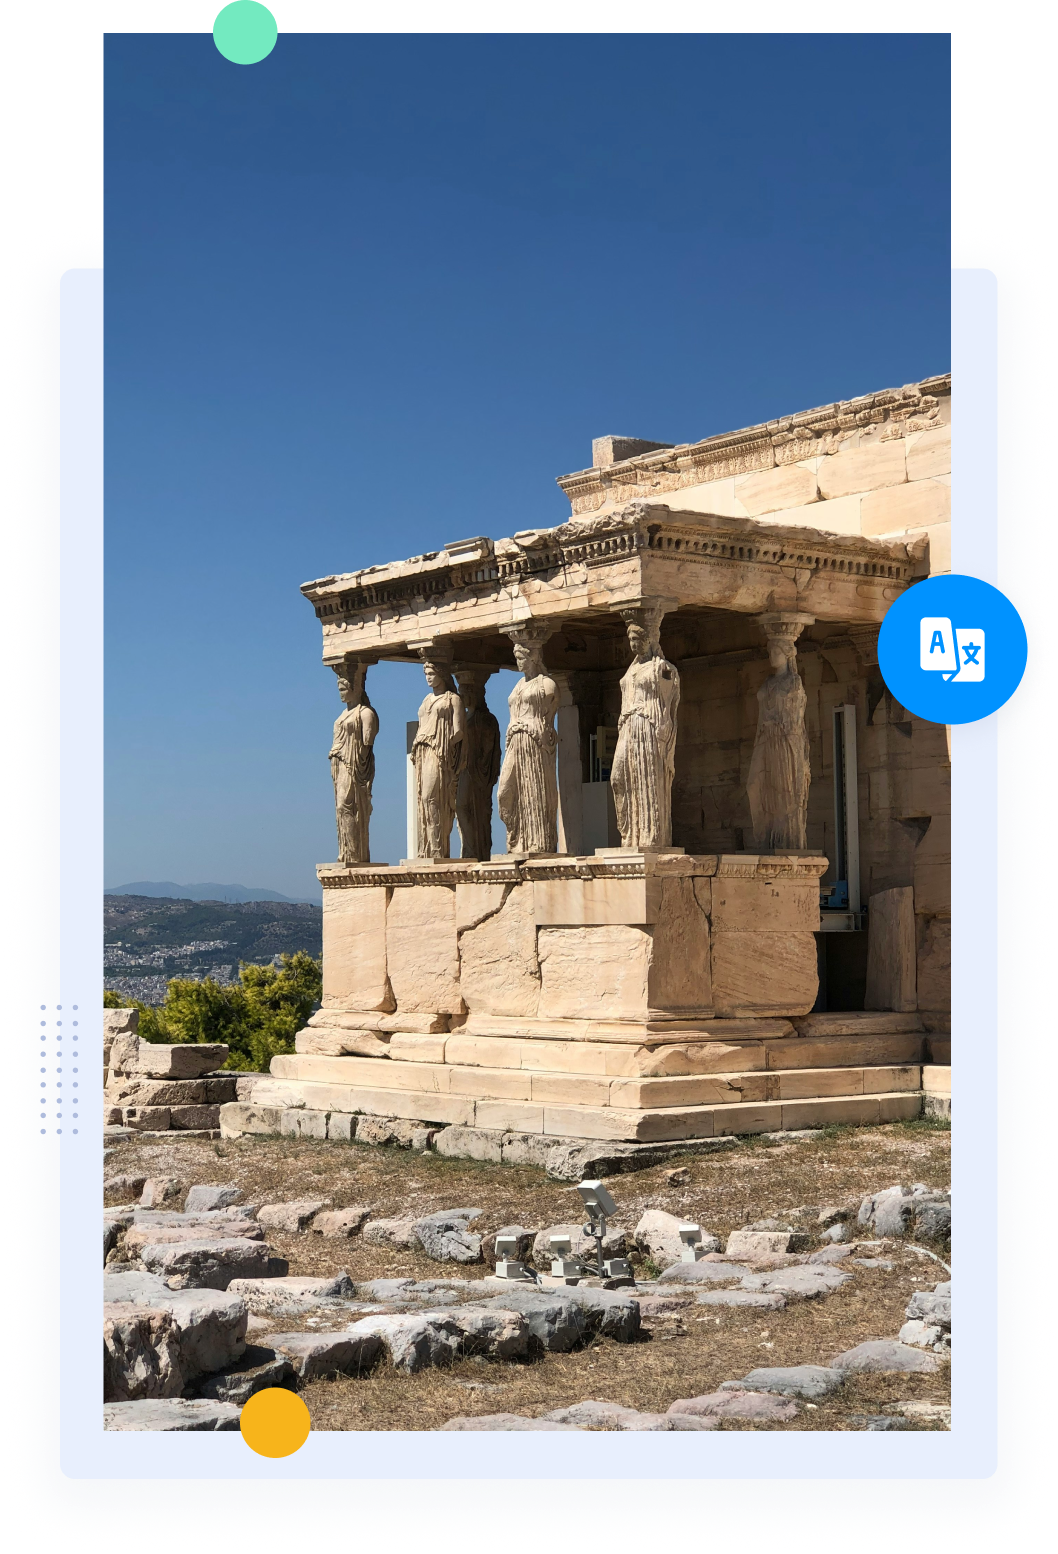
{"x": 780, "y": 768}
{"x": 528, "y": 791}
{"x": 644, "y": 761}
{"x": 438, "y": 753}
{"x": 353, "y": 771}
{"x": 476, "y": 782}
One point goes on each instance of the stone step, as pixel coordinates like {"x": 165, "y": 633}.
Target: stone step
{"x": 612, "y": 1123}
{"x": 563, "y": 1089}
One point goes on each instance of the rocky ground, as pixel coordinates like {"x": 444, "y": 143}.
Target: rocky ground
{"x": 825, "y": 1273}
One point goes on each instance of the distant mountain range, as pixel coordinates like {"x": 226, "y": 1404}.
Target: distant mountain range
{"x": 207, "y": 892}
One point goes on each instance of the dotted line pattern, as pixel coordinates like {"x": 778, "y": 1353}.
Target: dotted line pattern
{"x": 64, "y": 1066}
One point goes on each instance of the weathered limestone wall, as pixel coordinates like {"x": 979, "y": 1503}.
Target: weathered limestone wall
{"x": 633, "y": 939}
{"x": 878, "y": 466}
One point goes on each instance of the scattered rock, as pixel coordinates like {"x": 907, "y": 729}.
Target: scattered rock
{"x": 932, "y": 1306}
{"x": 504, "y": 1422}
{"x": 679, "y": 1177}
{"x": 130, "y": 1186}
{"x": 832, "y": 1254}
{"x": 836, "y": 1233}
{"x": 876, "y": 1422}
{"x": 806, "y": 1282}
{"x": 832, "y": 1215}
{"x": 445, "y": 1236}
{"x": 757, "y": 1243}
{"x": 293, "y": 1293}
{"x": 141, "y": 1354}
{"x": 594, "y": 1414}
{"x": 142, "y": 1234}
{"x": 202, "y": 1198}
{"x": 920, "y": 1335}
{"x": 933, "y": 1412}
{"x": 703, "y": 1272}
{"x": 933, "y": 1222}
{"x": 392, "y": 1232}
{"x": 258, "y": 1368}
{"x": 764, "y": 1406}
{"x": 341, "y": 1222}
{"x": 211, "y": 1264}
{"x": 744, "y": 1298}
{"x": 430, "y": 1338}
{"x": 611, "y": 1313}
{"x": 171, "y": 1414}
{"x": 211, "y": 1325}
{"x": 159, "y": 1060}
{"x": 158, "y": 1190}
{"x": 384, "y": 1289}
{"x": 322, "y": 1356}
{"x": 555, "y": 1323}
{"x": 884, "y": 1354}
{"x": 653, "y": 1306}
{"x": 657, "y": 1236}
{"x": 801, "y": 1381}
{"x": 874, "y": 1262}
{"x": 290, "y": 1217}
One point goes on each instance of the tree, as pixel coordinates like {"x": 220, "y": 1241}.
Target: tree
{"x": 256, "y": 1018}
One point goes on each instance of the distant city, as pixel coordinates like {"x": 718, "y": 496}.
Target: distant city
{"x": 149, "y": 939}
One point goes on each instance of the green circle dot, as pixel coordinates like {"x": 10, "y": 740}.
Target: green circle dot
{"x": 245, "y": 32}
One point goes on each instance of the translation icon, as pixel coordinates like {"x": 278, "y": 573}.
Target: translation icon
{"x": 935, "y": 666}
{"x": 956, "y": 655}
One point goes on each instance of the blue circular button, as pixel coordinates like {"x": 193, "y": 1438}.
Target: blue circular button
{"x": 952, "y": 649}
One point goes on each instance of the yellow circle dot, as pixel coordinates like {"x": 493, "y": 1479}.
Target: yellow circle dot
{"x": 274, "y": 1422}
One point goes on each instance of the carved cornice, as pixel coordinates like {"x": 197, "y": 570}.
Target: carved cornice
{"x": 759, "y": 866}
{"x": 913, "y": 408}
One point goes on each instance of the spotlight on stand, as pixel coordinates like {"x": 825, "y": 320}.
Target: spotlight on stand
{"x": 563, "y": 1264}
{"x": 692, "y": 1249}
{"x": 508, "y": 1266}
{"x": 600, "y": 1204}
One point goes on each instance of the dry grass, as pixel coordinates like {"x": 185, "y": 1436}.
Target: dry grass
{"x": 681, "y": 1357}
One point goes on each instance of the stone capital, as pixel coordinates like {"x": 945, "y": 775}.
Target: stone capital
{"x": 647, "y": 612}
{"x": 530, "y": 633}
{"x": 781, "y": 624}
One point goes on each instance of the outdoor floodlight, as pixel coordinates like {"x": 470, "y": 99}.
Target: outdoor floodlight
{"x": 692, "y": 1250}
{"x": 595, "y": 1196}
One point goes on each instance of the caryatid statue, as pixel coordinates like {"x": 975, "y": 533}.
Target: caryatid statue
{"x": 352, "y": 758}
{"x": 528, "y": 791}
{"x": 478, "y": 777}
{"x": 645, "y": 758}
{"x": 439, "y": 755}
{"x": 780, "y": 769}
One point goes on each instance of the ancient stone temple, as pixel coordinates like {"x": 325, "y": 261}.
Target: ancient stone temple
{"x": 724, "y": 906}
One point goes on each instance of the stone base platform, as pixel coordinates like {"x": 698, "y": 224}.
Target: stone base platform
{"x": 656, "y": 1087}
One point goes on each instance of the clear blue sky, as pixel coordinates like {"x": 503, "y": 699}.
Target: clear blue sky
{"x": 375, "y": 293}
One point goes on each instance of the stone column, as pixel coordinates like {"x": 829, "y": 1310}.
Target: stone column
{"x": 528, "y": 788}
{"x": 478, "y": 777}
{"x": 645, "y": 758}
{"x": 352, "y": 759}
{"x": 780, "y": 769}
{"x": 439, "y": 750}
{"x": 570, "y": 767}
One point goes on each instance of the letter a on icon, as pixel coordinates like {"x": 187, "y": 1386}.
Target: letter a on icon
{"x": 937, "y": 644}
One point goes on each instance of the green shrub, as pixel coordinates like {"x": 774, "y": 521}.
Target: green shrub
{"x": 256, "y": 1018}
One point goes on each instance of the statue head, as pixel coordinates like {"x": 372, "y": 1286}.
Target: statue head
{"x": 471, "y": 683}
{"x": 782, "y": 654}
{"x": 639, "y": 641}
{"x": 438, "y": 676}
{"x": 352, "y": 675}
{"x": 643, "y": 625}
{"x": 528, "y": 643}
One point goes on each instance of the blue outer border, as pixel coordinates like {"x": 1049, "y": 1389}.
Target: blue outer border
{"x": 639, "y": 1508}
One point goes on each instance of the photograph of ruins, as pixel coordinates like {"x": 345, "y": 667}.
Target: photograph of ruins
{"x": 725, "y": 907}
